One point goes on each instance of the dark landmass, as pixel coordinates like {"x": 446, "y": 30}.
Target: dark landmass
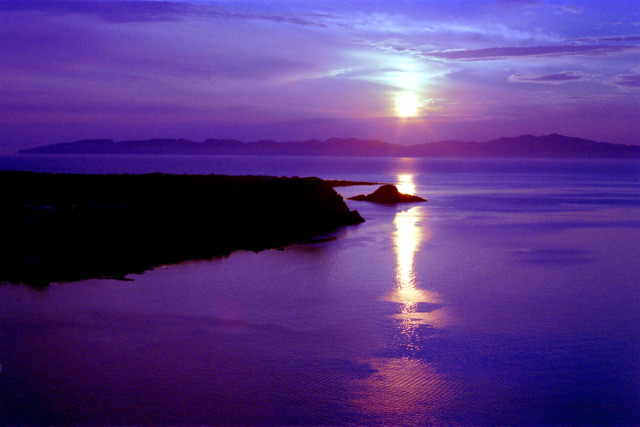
{"x": 388, "y": 194}
{"x": 528, "y": 146}
{"x": 339, "y": 183}
{"x": 62, "y": 227}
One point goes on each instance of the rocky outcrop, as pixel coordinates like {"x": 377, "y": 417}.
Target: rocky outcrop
{"x": 60, "y": 227}
{"x": 388, "y": 194}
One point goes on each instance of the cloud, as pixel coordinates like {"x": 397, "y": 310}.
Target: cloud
{"x": 185, "y": 51}
{"x": 608, "y": 39}
{"x": 497, "y": 53}
{"x": 391, "y": 45}
{"x": 573, "y": 9}
{"x": 555, "y": 78}
{"x": 628, "y": 80}
{"x": 125, "y": 11}
{"x": 111, "y": 11}
{"x": 524, "y": 3}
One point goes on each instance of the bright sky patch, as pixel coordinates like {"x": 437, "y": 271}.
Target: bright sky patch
{"x": 407, "y": 105}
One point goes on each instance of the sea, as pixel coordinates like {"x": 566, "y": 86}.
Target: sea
{"x": 511, "y": 297}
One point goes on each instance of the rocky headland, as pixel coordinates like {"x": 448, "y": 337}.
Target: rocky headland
{"x": 64, "y": 227}
{"x": 389, "y": 195}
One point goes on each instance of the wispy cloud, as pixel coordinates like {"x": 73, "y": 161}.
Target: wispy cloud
{"x": 497, "y": 53}
{"x": 555, "y": 78}
{"x": 126, "y": 11}
{"x": 572, "y": 8}
{"x": 111, "y": 11}
{"x": 628, "y": 80}
{"x": 608, "y": 39}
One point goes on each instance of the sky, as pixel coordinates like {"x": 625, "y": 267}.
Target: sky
{"x": 400, "y": 71}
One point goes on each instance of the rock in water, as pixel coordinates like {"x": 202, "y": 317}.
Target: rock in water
{"x": 388, "y": 194}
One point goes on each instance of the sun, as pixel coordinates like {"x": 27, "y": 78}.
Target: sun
{"x": 407, "y": 105}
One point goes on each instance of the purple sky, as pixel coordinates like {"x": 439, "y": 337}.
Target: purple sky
{"x": 296, "y": 70}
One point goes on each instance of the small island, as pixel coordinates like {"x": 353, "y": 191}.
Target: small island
{"x": 64, "y": 227}
{"x": 389, "y": 195}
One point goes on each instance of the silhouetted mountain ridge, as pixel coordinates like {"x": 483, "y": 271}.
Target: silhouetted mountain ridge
{"x": 527, "y": 146}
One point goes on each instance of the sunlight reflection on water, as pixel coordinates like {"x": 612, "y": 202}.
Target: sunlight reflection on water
{"x": 406, "y": 184}
{"x": 411, "y": 232}
{"x": 417, "y": 306}
{"x": 405, "y": 380}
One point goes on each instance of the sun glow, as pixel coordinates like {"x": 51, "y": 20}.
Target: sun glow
{"x": 407, "y": 105}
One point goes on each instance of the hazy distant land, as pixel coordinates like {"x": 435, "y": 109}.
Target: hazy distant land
{"x": 61, "y": 227}
{"x": 528, "y": 146}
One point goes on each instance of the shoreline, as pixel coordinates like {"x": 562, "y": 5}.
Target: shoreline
{"x": 67, "y": 227}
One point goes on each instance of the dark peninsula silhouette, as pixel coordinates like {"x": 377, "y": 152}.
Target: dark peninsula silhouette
{"x": 63, "y": 227}
{"x": 389, "y": 195}
{"x": 528, "y": 146}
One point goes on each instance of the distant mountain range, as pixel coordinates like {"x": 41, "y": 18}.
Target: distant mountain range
{"x": 527, "y": 146}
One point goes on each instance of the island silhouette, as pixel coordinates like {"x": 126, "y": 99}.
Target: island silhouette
{"x": 388, "y": 194}
{"x": 526, "y": 146}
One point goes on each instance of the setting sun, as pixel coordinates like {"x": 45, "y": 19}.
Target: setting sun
{"x": 407, "y": 105}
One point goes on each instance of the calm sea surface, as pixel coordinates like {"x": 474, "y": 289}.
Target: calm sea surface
{"x": 511, "y": 297}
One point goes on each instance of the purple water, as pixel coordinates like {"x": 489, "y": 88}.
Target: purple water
{"x": 511, "y": 297}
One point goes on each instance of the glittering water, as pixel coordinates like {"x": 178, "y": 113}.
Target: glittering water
{"x": 511, "y": 297}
